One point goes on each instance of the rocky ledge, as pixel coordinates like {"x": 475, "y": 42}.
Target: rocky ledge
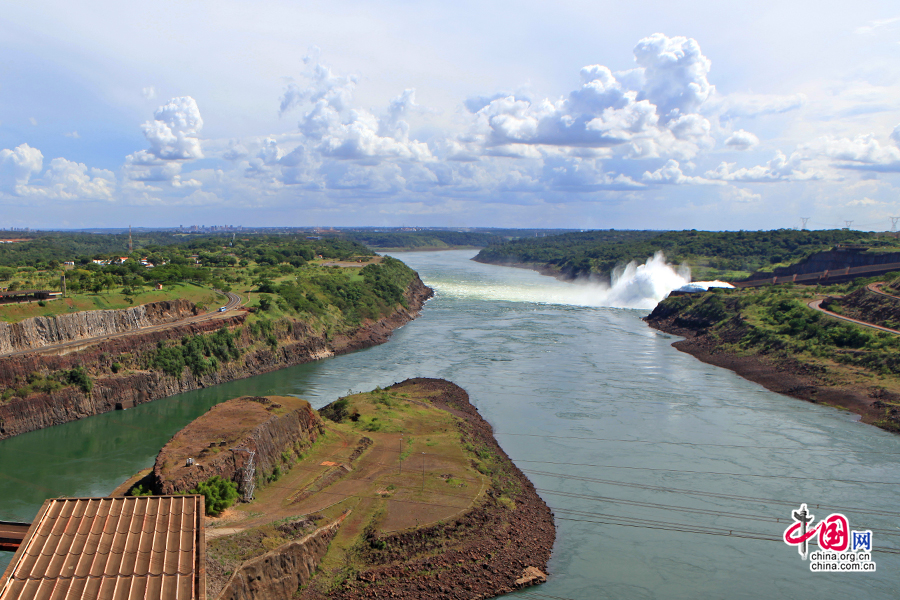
{"x": 220, "y": 442}
{"x": 296, "y": 344}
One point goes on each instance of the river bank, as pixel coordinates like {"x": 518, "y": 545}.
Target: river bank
{"x": 116, "y": 386}
{"x": 781, "y": 372}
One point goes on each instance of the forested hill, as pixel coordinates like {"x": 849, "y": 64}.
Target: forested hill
{"x": 711, "y": 254}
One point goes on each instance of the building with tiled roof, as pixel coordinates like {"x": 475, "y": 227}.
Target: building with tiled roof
{"x": 111, "y": 549}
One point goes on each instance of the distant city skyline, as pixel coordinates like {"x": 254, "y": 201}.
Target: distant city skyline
{"x": 514, "y": 115}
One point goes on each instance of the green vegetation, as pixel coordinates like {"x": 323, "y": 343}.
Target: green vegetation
{"x": 220, "y": 494}
{"x": 98, "y": 277}
{"x": 358, "y": 294}
{"x": 710, "y": 254}
{"x": 140, "y": 490}
{"x": 201, "y": 353}
{"x": 79, "y": 376}
{"x": 776, "y": 321}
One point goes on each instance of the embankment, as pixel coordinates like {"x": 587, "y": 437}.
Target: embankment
{"x": 297, "y": 343}
{"x": 38, "y": 332}
{"x": 219, "y": 442}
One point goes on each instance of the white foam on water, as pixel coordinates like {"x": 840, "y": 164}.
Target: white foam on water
{"x": 638, "y": 286}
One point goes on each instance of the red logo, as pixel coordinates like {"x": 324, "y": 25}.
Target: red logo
{"x": 833, "y": 532}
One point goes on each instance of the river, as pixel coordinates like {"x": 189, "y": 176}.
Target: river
{"x": 662, "y": 470}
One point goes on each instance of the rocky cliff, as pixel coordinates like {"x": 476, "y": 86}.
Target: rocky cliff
{"x": 297, "y": 343}
{"x": 268, "y": 427}
{"x": 37, "y": 332}
{"x": 280, "y": 573}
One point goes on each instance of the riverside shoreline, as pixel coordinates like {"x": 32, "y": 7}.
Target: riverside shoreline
{"x": 788, "y": 376}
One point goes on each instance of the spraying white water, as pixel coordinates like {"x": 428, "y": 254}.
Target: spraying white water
{"x": 639, "y": 286}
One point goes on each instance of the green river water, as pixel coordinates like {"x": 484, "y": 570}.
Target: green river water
{"x": 662, "y": 471}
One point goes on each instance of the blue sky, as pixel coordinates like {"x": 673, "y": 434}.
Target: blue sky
{"x": 509, "y": 114}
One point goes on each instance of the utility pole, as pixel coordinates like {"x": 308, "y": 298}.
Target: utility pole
{"x": 804, "y": 220}
{"x": 400, "y": 455}
{"x": 423, "y": 472}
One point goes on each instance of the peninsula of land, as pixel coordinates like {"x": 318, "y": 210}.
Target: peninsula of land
{"x": 401, "y": 492}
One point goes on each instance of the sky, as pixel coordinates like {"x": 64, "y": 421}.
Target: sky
{"x": 570, "y": 114}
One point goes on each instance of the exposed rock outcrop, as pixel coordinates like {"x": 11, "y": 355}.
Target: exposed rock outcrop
{"x": 280, "y": 573}
{"x": 297, "y": 344}
{"x": 268, "y": 427}
{"x": 38, "y": 332}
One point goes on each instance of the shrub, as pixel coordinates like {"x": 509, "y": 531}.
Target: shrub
{"x": 78, "y": 376}
{"x": 336, "y": 411}
{"x": 140, "y": 490}
{"x": 219, "y": 493}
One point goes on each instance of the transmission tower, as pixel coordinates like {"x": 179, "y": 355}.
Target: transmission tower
{"x": 894, "y": 223}
{"x": 130, "y": 242}
{"x": 804, "y": 220}
{"x": 248, "y": 483}
{"x": 849, "y": 223}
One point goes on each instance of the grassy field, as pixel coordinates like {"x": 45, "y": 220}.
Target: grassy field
{"x": 199, "y": 295}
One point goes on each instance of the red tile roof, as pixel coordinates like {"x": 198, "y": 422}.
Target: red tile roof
{"x": 111, "y": 549}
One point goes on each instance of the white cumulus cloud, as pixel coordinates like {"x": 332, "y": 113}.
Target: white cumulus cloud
{"x": 675, "y": 74}
{"x": 173, "y": 131}
{"x": 780, "y": 168}
{"x": 741, "y": 140}
{"x": 17, "y": 166}
{"x": 670, "y": 173}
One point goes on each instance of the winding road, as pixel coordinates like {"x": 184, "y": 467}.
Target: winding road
{"x": 234, "y": 303}
{"x": 872, "y": 287}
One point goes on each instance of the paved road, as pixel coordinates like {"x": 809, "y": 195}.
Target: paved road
{"x": 234, "y": 302}
{"x": 876, "y": 288}
{"x": 815, "y": 304}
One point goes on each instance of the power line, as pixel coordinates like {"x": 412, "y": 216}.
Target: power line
{"x": 700, "y": 444}
{"x": 792, "y": 477}
{"x": 707, "y": 512}
{"x": 737, "y": 497}
{"x": 677, "y": 527}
